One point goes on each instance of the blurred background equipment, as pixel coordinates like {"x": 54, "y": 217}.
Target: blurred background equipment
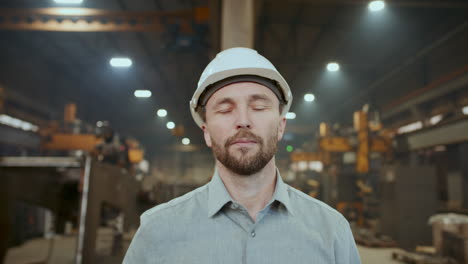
{"x": 95, "y": 125}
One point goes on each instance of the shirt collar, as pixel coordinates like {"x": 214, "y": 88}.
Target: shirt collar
{"x": 281, "y": 193}
{"x": 218, "y": 196}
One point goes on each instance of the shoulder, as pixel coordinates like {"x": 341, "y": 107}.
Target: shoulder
{"x": 311, "y": 208}
{"x": 163, "y": 222}
{"x": 189, "y": 203}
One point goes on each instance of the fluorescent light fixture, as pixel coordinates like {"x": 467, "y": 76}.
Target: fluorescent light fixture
{"x": 376, "y": 5}
{"x": 333, "y": 67}
{"x": 170, "y": 125}
{"x": 290, "y": 115}
{"x": 435, "y": 119}
{"x": 185, "y": 141}
{"x": 162, "y": 112}
{"x": 465, "y": 110}
{"x": 142, "y": 93}
{"x": 17, "y": 123}
{"x": 72, "y": 11}
{"x": 410, "y": 127}
{"x": 69, "y": 2}
{"x": 309, "y": 97}
{"x": 120, "y": 62}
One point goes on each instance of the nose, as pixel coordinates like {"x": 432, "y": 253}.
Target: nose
{"x": 242, "y": 119}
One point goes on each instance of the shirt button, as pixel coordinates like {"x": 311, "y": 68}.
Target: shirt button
{"x": 252, "y": 234}
{"x": 234, "y": 206}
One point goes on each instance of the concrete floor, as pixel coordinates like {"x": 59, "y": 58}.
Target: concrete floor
{"x": 376, "y": 255}
{"x": 36, "y": 251}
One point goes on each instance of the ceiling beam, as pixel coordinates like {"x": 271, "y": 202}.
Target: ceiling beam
{"x": 420, "y": 54}
{"x": 96, "y": 20}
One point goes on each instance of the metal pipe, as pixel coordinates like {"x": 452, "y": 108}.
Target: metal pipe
{"x": 83, "y": 210}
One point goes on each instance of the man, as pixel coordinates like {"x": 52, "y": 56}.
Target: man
{"x": 246, "y": 214}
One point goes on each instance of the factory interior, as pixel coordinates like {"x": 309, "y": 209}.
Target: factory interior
{"x": 95, "y": 125}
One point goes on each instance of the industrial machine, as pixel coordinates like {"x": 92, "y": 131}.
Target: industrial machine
{"x": 84, "y": 186}
{"x": 346, "y": 159}
{"x": 77, "y": 192}
{"x": 392, "y": 180}
{"x": 100, "y": 141}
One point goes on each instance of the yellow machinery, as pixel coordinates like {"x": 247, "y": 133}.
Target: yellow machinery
{"x": 63, "y": 141}
{"x": 56, "y": 140}
{"x": 329, "y": 144}
{"x": 367, "y": 143}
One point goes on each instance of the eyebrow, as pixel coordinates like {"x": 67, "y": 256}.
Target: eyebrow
{"x": 225, "y": 100}
{"x": 259, "y": 97}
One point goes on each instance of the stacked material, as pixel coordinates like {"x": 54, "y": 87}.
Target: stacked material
{"x": 450, "y": 235}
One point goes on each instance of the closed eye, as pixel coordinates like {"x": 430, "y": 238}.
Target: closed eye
{"x": 259, "y": 107}
{"x": 224, "y": 110}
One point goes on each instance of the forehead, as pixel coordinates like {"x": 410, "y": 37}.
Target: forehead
{"x": 240, "y": 91}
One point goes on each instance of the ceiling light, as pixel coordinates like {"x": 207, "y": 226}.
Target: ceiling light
{"x": 333, "y": 66}
{"x": 72, "y": 11}
{"x": 465, "y": 110}
{"x": 170, "y": 125}
{"x": 142, "y": 93}
{"x": 309, "y": 97}
{"x": 410, "y": 127}
{"x": 162, "y": 112}
{"x": 376, "y": 5}
{"x": 120, "y": 62}
{"x": 72, "y": 2}
{"x": 185, "y": 141}
{"x": 435, "y": 119}
{"x": 290, "y": 115}
{"x": 17, "y": 123}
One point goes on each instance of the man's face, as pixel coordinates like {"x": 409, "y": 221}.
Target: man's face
{"x": 243, "y": 126}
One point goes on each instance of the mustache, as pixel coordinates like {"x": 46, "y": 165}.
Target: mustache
{"x": 243, "y": 134}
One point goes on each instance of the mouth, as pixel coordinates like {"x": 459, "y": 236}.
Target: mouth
{"x": 244, "y": 142}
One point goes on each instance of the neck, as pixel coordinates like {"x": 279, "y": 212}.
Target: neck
{"x": 252, "y": 191}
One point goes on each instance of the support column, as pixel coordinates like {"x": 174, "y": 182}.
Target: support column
{"x": 463, "y": 158}
{"x": 237, "y": 29}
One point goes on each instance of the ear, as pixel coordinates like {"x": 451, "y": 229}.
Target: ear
{"x": 206, "y": 135}
{"x": 281, "y": 128}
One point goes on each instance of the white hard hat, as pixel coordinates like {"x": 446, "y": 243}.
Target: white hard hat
{"x": 243, "y": 62}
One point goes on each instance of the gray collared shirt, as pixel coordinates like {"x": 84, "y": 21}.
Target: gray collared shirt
{"x": 208, "y": 226}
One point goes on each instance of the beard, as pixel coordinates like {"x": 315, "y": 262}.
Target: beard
{"x": 246, "y": 164}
